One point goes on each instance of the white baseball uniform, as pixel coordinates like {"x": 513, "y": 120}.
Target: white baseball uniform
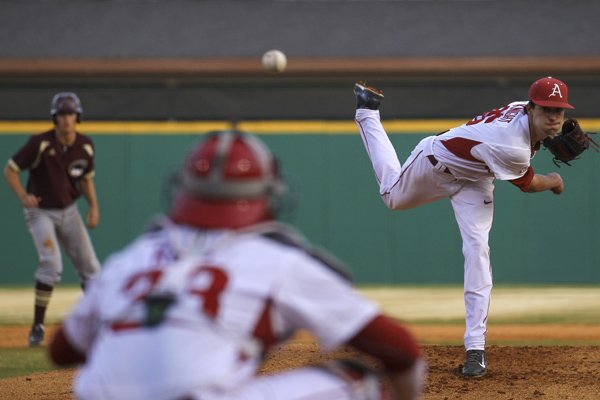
{"x": 232, "y": 295}
{"x": 460, "y": 164}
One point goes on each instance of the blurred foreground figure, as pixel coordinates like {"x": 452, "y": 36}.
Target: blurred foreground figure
{"x": 189, "y": 309}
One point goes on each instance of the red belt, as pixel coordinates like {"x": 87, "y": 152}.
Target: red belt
{"x": 434, "y": 162}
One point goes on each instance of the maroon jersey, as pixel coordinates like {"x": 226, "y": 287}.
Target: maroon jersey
{"x": 55, "y": 169}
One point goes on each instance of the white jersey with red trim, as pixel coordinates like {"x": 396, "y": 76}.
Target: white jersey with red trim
{"x": 182, "y": 309}
{"x": 496, "y": 144}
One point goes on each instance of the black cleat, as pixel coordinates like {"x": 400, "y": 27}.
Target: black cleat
{"x": 367, "y": 96}
{"x": 36, "y": 335}
{"x": 475, "y": 364}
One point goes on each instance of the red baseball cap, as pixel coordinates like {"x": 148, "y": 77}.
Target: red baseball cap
{"x": 550, "y": 92}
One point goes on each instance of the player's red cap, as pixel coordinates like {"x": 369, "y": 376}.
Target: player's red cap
{"x": 550, "y": 92}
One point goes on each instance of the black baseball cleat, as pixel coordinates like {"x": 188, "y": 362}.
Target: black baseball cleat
{"x": 367, "y": 96}
{"x": 475, "y": 364}
{"x": 36, "y": 335}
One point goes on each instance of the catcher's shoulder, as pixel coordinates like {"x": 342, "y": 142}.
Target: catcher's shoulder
{"x": 287, "y": 236}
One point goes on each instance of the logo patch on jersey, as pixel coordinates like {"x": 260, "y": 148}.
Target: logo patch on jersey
{"x": 556, "y": 91}
{"x": 88, "y": 149}
{"x": 511, "y": 113}
{"x": 77, "y": 168}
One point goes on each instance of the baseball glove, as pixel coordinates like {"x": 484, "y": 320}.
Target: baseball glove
{"x": 570, "y": 143}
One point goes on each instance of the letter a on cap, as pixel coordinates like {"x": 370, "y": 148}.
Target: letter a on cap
{"x": 555, "y": 91}
{"x": 549, "y": 92}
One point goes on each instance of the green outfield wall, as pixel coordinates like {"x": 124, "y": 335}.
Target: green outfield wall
{"x": 536, "y": 238}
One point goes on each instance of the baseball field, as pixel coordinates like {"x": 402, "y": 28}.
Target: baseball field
{"x": 544, "y": 342}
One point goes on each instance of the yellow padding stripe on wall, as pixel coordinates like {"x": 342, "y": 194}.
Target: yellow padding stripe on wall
{"x": 417, "y": 126}
{"x": 118, "y": 127}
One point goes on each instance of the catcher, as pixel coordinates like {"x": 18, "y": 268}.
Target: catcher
{"x": 190, "y": 309}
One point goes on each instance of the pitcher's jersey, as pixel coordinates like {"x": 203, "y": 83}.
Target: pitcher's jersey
{"x": 496, "y": 144}
{"x": 182, "y": 308}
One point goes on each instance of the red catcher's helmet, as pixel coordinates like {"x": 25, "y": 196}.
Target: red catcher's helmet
{"x": 550, "y": 92}
{"x": 228, "y": 181}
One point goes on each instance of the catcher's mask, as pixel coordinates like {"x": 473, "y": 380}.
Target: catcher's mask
{"x": 229, "y": 180}
{"x": 66, "y": 102}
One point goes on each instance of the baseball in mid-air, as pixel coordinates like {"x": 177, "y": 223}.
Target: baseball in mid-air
{"x": 274, "y": 61}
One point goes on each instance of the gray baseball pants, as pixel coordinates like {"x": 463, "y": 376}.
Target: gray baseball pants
{"x": 51, "y": 227}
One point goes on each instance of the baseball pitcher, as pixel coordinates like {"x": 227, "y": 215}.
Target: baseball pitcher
{"x": 189, "y": 309}
{"x": 461, "y": 164}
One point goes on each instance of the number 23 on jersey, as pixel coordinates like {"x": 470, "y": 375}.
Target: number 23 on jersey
{"x": 206, "y": 283}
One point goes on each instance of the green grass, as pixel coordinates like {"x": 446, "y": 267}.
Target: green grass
{"x": 423, "y": 304}
{"x": 23, "y": 361}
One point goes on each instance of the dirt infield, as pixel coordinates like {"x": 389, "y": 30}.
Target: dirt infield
{"x": 521, "y": 372}
{"x": 13, "y": 336}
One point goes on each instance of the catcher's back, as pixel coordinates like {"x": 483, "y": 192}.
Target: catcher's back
{"x": 182, "y": 308}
